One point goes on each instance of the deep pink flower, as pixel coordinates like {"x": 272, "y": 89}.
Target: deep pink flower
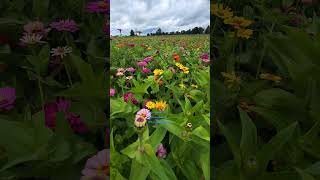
{"x": 7, "y": 98}
{"x": 131, "y": 45}
{"x": 204, "y": 56}
{"x": 142, "y": 63}
{"x": 98, "y": 7}
{"x": 161, "y": 151}
{"x": 130, "y": 69}
{"x": 62, "y": 105}
{"x": 112, "y": 92}
{"x": 146, "y": 70}
{"x": 147, "y": 59}
{"x": 130, "y": 95}
{"x": 65, "y": 25}
{"x": 97, "y": 167}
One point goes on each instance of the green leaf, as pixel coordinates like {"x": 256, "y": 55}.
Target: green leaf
{"x": 156, "y": 137}
{"x": 154, "y": 163}
{"x": 40, "y": 8}
{"x": 202, "y": 133}
{"x": 304, "y": 175}
{"x": 249, "y": 140}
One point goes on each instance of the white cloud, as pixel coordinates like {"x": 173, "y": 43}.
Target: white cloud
{"x": 169, "y": 15}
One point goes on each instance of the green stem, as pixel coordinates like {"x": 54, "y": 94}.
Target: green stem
{"x": 41, "y": 95}
{"x": 140, "y": 141}
{"x": 68, "y": 74}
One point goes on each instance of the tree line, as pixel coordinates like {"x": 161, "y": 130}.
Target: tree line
{"x": 195, "y": 30}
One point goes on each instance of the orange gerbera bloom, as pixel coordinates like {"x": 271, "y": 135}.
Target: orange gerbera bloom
{"x": 120, "y": 45}
{"x": 176, "y": 57}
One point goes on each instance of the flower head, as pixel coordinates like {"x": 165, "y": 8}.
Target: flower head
{"x": 270, "y": 77}
{"x": 147, "y": 59}
{"x": 160, "y": 105}
{"x": 238, "y": 22}
{"x": 61, "y": 51}
{"x": 31, "y": 39}
{"x": 7, "y": 98}
{"x": 130, "y": 95}
{"x": 140, "y": 122}
{"x": 112, "y": 92}
{"x": 98, "y": 166}
{"x": 131, "y": 69}
{"x": 146, "y": 70}
{"x": 150, "y": 105}
{"x": 98, "y": 7}
{"x": 158, "y": 72}
{"x": 204, "y": 56}
{"x": 145, "y": 113}
{"x": 244, "y": 33}
{"x": 120, "y": 72}
{"x": 176, "y": 57}
{"x": 65, "y": 25}
{"x": 161, "y": 151}
{"x": 36, "y": 27}
{"x": 220, "y": 11}
{"x": 142, "y": 63}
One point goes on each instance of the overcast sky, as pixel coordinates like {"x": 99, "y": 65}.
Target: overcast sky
{"x": 169, "y": 15}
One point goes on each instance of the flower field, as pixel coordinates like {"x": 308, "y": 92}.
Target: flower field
{"x": 160, "y": 107}
{"x": 266, "y": 90}
{"x": 53, "y": 89}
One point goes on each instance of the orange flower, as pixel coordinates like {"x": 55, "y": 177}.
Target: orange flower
{"x": 120, "y": 45}
{"x": 176, "y": 57}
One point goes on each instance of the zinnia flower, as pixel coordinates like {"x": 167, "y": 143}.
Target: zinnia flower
{"x": 158, "y": 72}
{"x": 112, "y": 92}
{"x": 65, "y": 25}
{"x": 98, "y": 7}
{"x": 7, "y": 98}
{"x": 97, "y": 167}
{"x": 145, "y": 113}
{"x": 219, "y": 11}
{"x": 147, "y": 59}
{"x": 150, "y": 105}
{"x": 61, "y": 51}
{"x": 62, "y": 105}
{"x": 120, "y": 72}
{"x": 140, "y": 122}
{"x": 146, "y": 70}
{"x": 130, "y": 95}
{"x": 142, "y": 63}
{"x": 131, "y": 69}
{"x": 160, "y": 105}
{"x": 161, "y": 151}
{"x": 36, "y": 27}
{"x": 31, "y": 39}
{"x": 204, "y": 56}
{"x": 244, "y": 33}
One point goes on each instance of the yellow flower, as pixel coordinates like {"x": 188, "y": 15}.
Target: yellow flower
{"x": 270, "y": 77}
{"x": 150, "y": 105}
{"x": 219, "y": 11}
{"x": 231, "y": 80}
{"x": 149, "y": 48}
{"x": 158, "y": 72}
{"x": 194, "y": 85}
{"x": 183, "y": 68}
{"x": 160, "y": 105}
{"x": 244, "y": 33}
{"x": 238, "y": 22}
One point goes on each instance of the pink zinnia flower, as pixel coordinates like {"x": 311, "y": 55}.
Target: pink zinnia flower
{"x": 131, "y": 45}
{"x": 97, "y": 167}
{"x": 7, "y": 98}
{"x": 206, "y": 60}
{"x": 131, "y": 69}
{"x": 142, "y": 63}
{"x": 161, "y": 151}
{"x": 146, "y": 70}
{"x": 204, "y": 56}
{"x": 61, "y": 51}
{"x": 147, "y": 59}
{"x": 120, "y": 72}
{"x": 31, "y": 39}
{"x": 145, "y": 113}
{"x": 62, "y": 105}
{"x": 98, "y": 7}
{"x": 36, "y": 27}
{"x": 65, "y": 25}
{"x": 112, "y": 92}
{"x": 130, "y": 95}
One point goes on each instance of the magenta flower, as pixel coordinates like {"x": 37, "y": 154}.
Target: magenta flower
{"x": 147, "y": 59}
{"x": 146, "y": 70}
{"x": 97, "y": 167}
{"x": 142, "y": 63}
{"x": 130, "y": 95}
{"x": 7, "y": 98}
{"x": 131, "y": 45}
{"x": 161, "y": 151}
{"x": 112, "y": 92}
{"x": 98, "y": 7}
{"x": 62, "y": 105}
{"x": 65, "y": 25}
{"x": 204, "y": 56}
{"x": 130, "y": 69}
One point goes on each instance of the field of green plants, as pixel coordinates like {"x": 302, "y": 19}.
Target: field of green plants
{"x": 53, "y": 89}
{"x": 159, "y": 97}
{"x": 266, "y": 86}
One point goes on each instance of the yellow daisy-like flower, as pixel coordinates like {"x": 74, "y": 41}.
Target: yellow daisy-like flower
{"x": 158, "y": 72}
{"x": 270, "y": 77}
{"x": 238, "y": 22}
{"x": 221, "y": 12}
{"x": 179, "y": 65}
{"x": 244, "y": 33}
{"x": 150, "y": 105}
{"x": 183, "y": 68}
{"x": 160, "y": 105}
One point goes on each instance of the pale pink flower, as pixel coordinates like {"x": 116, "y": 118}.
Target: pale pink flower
{"x": 61, "y": 51}
{"x": 97, "y": 167}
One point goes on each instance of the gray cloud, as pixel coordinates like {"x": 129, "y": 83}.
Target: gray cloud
{"x": 169, "y": 15}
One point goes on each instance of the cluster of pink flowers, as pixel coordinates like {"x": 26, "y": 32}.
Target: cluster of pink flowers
{"x": 62, "y": 105}
{"x": 131, "y": 96}
{"x": 205, "y": 57}
{"x": 161, "y": 151}
{"x": 112, "y": 92}
{"x": 65, "y": 25}
{"x": 145, "y": 63}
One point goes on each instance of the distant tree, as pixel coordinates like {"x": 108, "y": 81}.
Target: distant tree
{"x": 158, "y": 32}
{"x": 207, "y": 31}
{"x": 148, "y": 34}
{"x": 131, "y": 33}
{"x": 183, "y": 32}
{"x": 171, "y": 33}
{"x": 201, "y": 30}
